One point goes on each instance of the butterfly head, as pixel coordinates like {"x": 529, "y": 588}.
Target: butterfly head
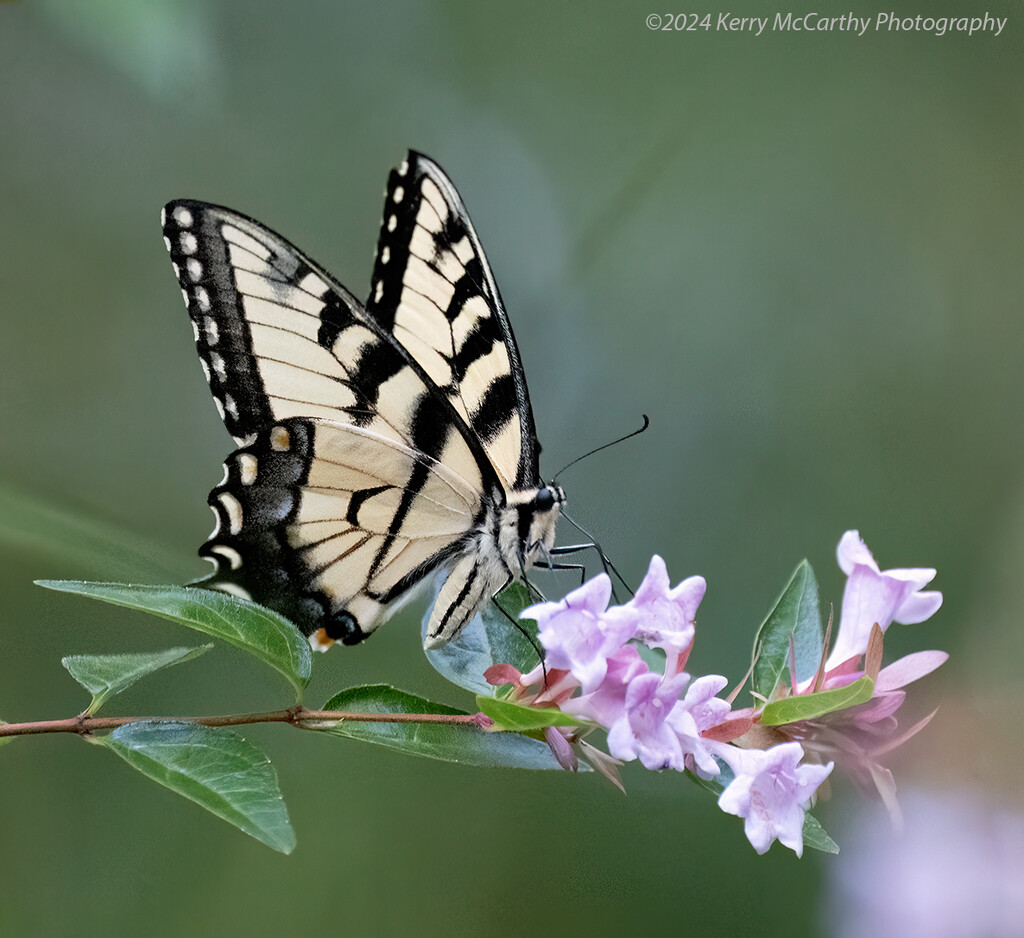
{"x": 530, "y": 529}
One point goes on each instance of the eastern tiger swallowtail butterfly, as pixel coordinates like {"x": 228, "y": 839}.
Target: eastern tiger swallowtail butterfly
{"x": 378, "y": 442}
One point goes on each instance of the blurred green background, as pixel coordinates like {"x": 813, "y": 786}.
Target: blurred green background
{"x": 799, "y": 253}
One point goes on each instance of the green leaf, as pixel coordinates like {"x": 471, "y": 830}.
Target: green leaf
{"x": 106, "y": 675}
{"x": 466, "y": 745}
{"x": 812, "y": 706}
{"x": 239, "y": 622}
{"x": 815, "y": 836}
{"x": 795, "y": 615}
{"x": 215, "y": 768}
{"x": 512, "y": 718}
{"x": 490, "y": 638}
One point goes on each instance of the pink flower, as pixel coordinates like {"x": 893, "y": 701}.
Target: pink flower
{"x": 607, "y": 703}
{"x": 955, "y": 871}
{"x": 580, "y": 633}
{"x": 770, "y": 791}
{"x": 698, "y": 711}
{"x": 642, "y": 731}
{"x": 873, "y": 595}
{"x": 560, "y": 746}
{"x": 857, "y": 738}
{"x": 667, "y": 617}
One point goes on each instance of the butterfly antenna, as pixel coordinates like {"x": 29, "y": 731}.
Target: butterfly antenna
{"x": 621, "y": 439}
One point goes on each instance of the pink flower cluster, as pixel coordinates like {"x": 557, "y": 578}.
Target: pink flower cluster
{"x": 590, "y": 648}
{"x": 857, "y": 737}
{"x": 595, "y": 670}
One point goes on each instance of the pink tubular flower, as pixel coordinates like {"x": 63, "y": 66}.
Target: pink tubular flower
{"x": 770, "y": 791}
{"x": 859, "y": 737}
{"x": 698, "y": 711}
{"x": 642, "y": 730}
{"x": 873, "y": 595}
{"x": 907, "y": 669}
{"x": 561, "y": 748}
{"x": 667, "y": 616}
{"x": 607, "y": 703}
{"x": 856, "y": 738}
{"x": 955, "y": 871}
{"x": 580, "y": 633}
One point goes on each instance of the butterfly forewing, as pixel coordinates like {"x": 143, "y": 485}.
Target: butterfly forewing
{"x": 279, "y": 338}
{"x": 432, "y": 288}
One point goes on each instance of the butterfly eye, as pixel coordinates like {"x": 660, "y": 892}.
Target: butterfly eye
{"x": 545, "y": 499}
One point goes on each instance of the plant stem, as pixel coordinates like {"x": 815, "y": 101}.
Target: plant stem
{"x": 83, "y": 724}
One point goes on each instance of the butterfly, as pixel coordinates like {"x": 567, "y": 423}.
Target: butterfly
{"x": 378, "y": 442}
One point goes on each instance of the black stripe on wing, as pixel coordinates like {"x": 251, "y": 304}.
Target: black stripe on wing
{"x": 280, "y": 338}
{"x": 308, "y": 524}
{"x": 201, "y": 261}
{"x": 432, "y": 288}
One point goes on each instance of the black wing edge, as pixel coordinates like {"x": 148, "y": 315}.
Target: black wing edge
{"x": 199, "y": 255}
{"x": 249, "y": 546}
{"x": 409, "y": 175}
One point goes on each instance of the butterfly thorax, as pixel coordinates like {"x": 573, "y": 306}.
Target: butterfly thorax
{"x": 512, "y": 536}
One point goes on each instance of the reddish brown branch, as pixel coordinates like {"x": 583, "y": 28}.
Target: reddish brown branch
{"x": 297, "y": 716}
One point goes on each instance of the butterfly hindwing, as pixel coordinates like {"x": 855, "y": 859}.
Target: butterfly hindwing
{"x": 319, "y": 515}
{"x": 433, "y": 290}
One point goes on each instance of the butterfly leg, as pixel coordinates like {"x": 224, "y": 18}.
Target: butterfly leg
{"x": 549, "y": 564}
{"x": 606, "y": 564}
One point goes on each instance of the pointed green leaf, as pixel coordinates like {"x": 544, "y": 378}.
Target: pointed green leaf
{"x": 795, "y": 615}
{"x": 467, "y": 745}
{"x": 492, "y": 637}
{"x": 512, "y": 718}
{"x": 106, "y": 675}
{"x": 239, "y": 622}
{"x": 812, "y": 706}
{"x": 215, "y": 768}
{"x": 815, "y": 836}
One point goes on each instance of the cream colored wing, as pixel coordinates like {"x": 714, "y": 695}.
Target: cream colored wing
{"x": 433, "y": 290}
{"x": 335, "y": 523}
